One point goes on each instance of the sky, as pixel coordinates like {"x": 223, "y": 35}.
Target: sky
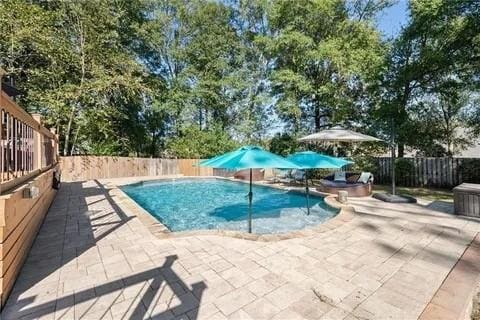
{"x": 393, "y": 18}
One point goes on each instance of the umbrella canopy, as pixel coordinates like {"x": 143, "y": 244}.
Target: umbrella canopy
{"x": 248, "y": 157}
{"x": 205, "y": 162}
{"x": 338, "y": 134}
{"x": 313, "y": 160}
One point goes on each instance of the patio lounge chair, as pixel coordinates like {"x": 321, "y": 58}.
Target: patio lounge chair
{"x": 295, "y": 176}
{"x": 356, "y": 184}
{"x": 283, "y": 174}
{"x": 299, "y": 176}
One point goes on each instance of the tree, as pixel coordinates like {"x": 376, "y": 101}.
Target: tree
{"x": 436, "y": 55}
{"x": 252, "y": 108}
{"x": 283, "y": 144}
{"x": 473, "y": 116}
{"x": 134, "y": 77}
{"x": 193, "y": 49}
{"x": 162, "y": 45}
{"x": 213, "y": 60}
{"x": 367, "y": 10}
{"x": 323, "y": 59}
{"x": 194, "y": 143}
{"x": 103, "y": 72}
{"x": 79, "y": 62}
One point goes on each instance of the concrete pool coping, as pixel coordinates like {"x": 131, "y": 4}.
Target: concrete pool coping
{"x": 159, "y": 230}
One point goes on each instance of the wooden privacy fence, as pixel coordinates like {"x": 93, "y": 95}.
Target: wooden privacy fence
{"x": 81, "y": 168}
{"x": 190, "y": 167}
{"x": 443, "y": 172}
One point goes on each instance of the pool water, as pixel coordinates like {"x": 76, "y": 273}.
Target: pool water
{"x": 199, "y": 204}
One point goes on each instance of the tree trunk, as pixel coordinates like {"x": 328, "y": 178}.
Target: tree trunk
{"x": 401, "y": 150}
{"x": 75, "y": 140}
{"x": 67, "y": 132}
{"x": 153, "y": 147}
{"x": 81, "y": 46}
{"x": 317, "y": 118}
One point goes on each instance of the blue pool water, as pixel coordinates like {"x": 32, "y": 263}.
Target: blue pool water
{"x": 196, "y": 204}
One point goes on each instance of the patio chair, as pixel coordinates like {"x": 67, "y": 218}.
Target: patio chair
{"x": 283, "y": 174}
{"x": 295, "y": 176}
{"x": 299, "y": 176}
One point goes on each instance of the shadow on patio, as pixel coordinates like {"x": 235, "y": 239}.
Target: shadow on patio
{"x": 78, "y": 268}
{"x": 436, "y": 210}
{"x": 441, "y": 245}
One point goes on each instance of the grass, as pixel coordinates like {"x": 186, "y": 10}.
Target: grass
{"x": 425, "y": 193}
{"x": 432, "y": 194}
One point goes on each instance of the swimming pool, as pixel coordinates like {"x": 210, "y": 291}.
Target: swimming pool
{"x": 199, "y": 204}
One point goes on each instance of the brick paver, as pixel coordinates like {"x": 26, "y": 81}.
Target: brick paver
{"x": 93, "y": 260}
{"x": 455, "y": 295}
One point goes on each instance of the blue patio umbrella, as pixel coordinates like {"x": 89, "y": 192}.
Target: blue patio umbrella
{"x": 312, "y": 160}
{"x": 249, "y": 157}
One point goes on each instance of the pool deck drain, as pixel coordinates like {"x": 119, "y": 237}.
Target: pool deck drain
{"x": 94, "y": 259}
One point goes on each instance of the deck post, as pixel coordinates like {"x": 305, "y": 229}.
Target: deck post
{"x": 3, "y": 151}
{"x": 37, "y": 145}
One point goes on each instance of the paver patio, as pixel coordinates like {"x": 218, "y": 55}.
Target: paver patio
{"x": 91, "y": 260}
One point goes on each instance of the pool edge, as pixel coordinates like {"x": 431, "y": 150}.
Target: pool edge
{"x": 160, "y": 231}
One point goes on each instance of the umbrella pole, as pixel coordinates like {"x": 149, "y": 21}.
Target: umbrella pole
{"x": 393, "y": 191}
{"x": 250, "y": 196}
{"x": 306, "y": 191}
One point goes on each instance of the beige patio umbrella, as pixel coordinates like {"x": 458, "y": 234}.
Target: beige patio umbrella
{"x": 338, "y": 134}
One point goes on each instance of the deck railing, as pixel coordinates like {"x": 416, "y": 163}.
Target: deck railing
{"x": 26, "y": 147}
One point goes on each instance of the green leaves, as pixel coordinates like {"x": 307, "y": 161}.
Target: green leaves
{"x": 323, "y": 57}
{"x": 194, "y": 143}
{"x": 434, "y": 61}
{"x": 73, "y": 61}
{"x": 284, "y": 144}
{"x": 152, "y": 77}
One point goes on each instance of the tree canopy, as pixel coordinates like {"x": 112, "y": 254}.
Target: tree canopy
{"x": 194, "y": 78}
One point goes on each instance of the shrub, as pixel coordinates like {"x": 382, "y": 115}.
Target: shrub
{"x": 470, "y": 170}
{"x": 283, "y": 144}
{"x": 363, "y": 159}
{"x": 364, "y": 163}
{"x": 403, "y": 170}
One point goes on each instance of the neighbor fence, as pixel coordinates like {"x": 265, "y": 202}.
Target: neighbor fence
{"x": 81, "y": 168}
{"x": 443, "y": 172}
